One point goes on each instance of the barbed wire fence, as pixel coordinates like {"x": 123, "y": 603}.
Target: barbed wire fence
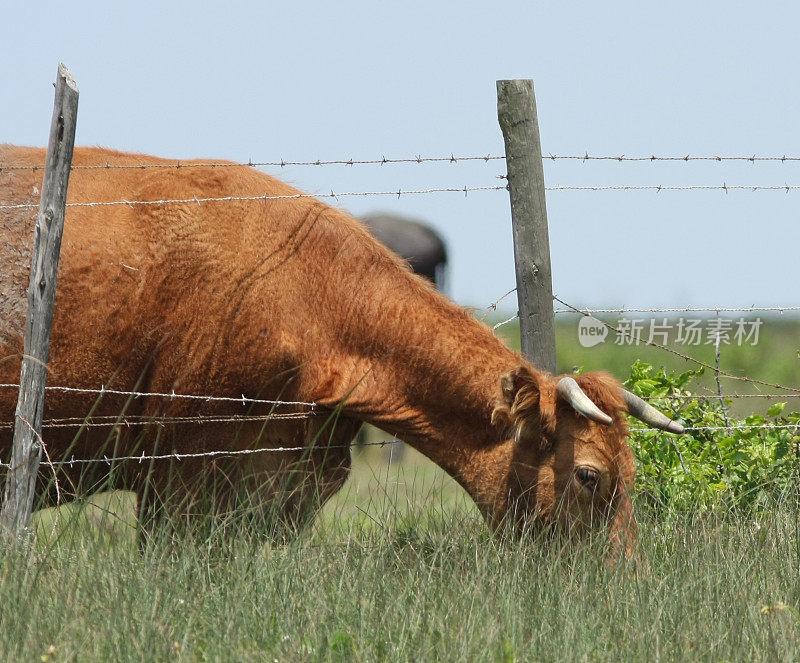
{"x": 419, "y": 159}
{"x": 312, "y": 410}
{"x": 403, "y": 192}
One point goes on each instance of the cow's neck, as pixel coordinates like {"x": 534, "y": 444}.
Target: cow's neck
{"x": 429, "y": 374}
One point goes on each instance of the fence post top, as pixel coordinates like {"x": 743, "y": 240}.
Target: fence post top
{"x": 66, "y": 75}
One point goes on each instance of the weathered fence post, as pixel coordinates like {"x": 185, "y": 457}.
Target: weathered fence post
{"x": 516, "y": 112}
{"x": 27, "y": 447}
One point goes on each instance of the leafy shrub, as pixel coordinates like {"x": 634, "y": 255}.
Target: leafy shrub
{"x": 705, "y": 468}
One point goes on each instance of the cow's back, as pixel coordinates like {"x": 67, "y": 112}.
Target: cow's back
{"x": 17, "y": 187}
{"x": 173, "y": 295}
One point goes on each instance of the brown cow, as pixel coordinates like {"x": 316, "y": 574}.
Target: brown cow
{"x": 287, "y": 299}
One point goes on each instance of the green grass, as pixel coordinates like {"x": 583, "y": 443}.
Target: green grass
{"x": 399, "y": 567}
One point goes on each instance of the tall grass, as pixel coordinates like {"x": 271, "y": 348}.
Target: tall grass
{"x": 400, "y": 567}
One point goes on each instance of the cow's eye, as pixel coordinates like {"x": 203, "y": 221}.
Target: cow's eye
{"x": 589, "y": 477}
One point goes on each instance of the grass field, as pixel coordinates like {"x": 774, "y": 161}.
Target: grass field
{"x": 399, "y": 567}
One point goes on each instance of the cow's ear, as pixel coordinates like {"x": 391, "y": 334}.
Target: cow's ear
{"x": 510, "y": 383}
{"x": 527, "y": 405}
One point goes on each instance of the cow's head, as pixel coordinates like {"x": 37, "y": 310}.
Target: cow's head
{"x": 572, "y": 465}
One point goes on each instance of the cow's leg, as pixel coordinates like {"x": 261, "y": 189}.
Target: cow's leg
{"x": 273, "y": 493}
{"x": 318, "y": 475}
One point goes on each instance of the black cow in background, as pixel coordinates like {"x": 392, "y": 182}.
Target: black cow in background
{"x": 425, "y": 251}
{"x": 420, "y": 245}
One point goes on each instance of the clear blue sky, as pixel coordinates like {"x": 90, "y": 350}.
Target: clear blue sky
{"x": 307, "y": 80}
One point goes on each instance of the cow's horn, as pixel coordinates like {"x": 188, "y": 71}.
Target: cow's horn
{"x": 568, "y": 389}
{"x": 649, "y": 415}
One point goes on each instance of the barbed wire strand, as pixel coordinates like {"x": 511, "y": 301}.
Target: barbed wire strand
{"x": 49, "y": 463}
{"x": 243, "y": 452}
{"x": 623, "y": 158}
{"x": 676, "y": 187}
{"x": 282, "y": 163}
{"x": 293, "y": 196}
{"x": 114, "y": 421}
{"x": 127, "y": 421}
{"x": 201, "y": 454}
{"x": 708, "y": 397}
{"x": 685, "y": 309}
{"x": 505, "y": 322}
{"x": 493, "y": 305}
{"x": 144, "y": 394}
{"x": 414, "y": 192}
{"x": 699, "y": 429}
{"x": 419, "y": 159}
{"x": 623, "y": 310}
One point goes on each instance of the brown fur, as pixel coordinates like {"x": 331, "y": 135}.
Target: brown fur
{"x": 288, "y": 299}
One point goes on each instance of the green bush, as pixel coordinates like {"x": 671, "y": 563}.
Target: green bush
{"x": 706, "y": 468}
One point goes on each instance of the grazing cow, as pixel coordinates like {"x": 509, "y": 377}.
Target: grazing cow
{"x": 420, "y": 245}
{"x": 285, "y": 298}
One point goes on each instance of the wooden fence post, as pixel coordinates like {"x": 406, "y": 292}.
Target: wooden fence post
{"x": 27, "y": 447}
{"x": 516, "y": 112}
